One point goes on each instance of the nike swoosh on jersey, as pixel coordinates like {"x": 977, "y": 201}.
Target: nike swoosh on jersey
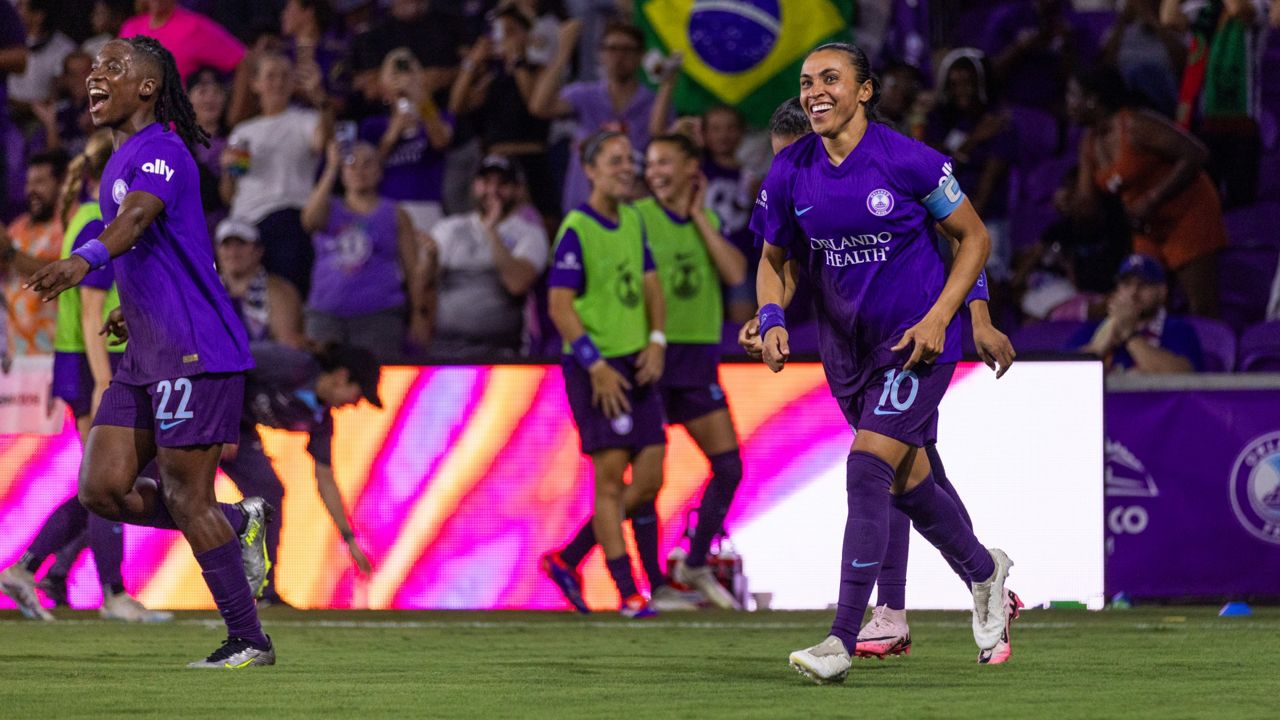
{"x": 169, "y": 424}
{"x": 882, "y": 411}
{"x": 800, "y": 211}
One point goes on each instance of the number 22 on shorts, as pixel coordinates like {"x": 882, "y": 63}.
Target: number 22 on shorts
{"x": 181, "y": 414}
{"x": 892, "y": 394}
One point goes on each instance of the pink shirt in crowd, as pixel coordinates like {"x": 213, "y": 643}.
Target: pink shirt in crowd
{"x": 195, "y": 40}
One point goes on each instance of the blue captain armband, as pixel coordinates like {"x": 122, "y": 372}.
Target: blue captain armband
{"x": 585, "y": 351}
{"x": 942, "y": 202}
{"x": 979, "y": 291}
{"x": 94, "y": 253}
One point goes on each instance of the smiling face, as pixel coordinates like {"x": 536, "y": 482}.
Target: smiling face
{"x": 119, "y": 85}
{"x": 490, "y": 187}
{"x": 831, "y": 92}
{"x": 668, "y": 171}
{"x": 613, "y": 171}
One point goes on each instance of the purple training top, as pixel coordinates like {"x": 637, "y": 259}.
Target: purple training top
{"x": 862, "y": 234}
{"x": 180, "y": 319}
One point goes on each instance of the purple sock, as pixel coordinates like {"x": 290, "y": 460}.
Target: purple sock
{"x": 106, "y": 539}
{"x": 66, "y": 556}
{"x": 620, "y": 570}
{"x": 726, "y": 473}
{"x": 891, "y": 586}
{"x": 866, "y": 534}
{"x": 62, "y": 526}
{"x": 940, "y": 477}
{"x": 938, "y": 519}
{"x": 644, "y": 525}
{"x": 224, "y": 574}
{"x": 579, "y": 546}
{"x": 236, "y": 518}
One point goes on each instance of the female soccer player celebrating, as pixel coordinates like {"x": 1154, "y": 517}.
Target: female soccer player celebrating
{"x": 853, "y": 203}
{"x": 694, "y": 260}
{"x": 179, "y": 391}
{"x": 606, "y": 301}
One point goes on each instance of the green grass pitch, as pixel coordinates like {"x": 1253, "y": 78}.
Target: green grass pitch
{"x": 1181, "y": 662}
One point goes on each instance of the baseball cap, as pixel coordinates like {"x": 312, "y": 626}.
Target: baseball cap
{"x": 1143, "y": 267}
{"x": 508, "y": 168}
{"x": 236, "y": 228}
{"x": 362, "y": 366}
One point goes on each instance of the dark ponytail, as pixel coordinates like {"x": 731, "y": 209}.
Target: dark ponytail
{"x": 172, "y": 105}
{"x": 858, "y": 59}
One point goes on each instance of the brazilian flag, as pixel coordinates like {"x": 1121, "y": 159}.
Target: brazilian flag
{"x": 743, "y": 53}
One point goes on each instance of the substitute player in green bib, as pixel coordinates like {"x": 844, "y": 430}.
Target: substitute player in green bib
{"x": 694, "y": 262}
{"x": 606, "y": 301}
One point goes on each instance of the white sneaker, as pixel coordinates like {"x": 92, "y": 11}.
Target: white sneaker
{"x": 826, "y": 662}
{"x": 20, "y": 585}
{"x": 886, "y": 635}
{"x": 705, "y": 582}
{"x": 989, "y": 609}
{"x": 124, "y": 606}
{"x": 669, "y": 599}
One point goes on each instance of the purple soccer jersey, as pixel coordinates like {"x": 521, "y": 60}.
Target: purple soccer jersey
{"x": 180, "y": 318}
{"x": 861, "y": 233}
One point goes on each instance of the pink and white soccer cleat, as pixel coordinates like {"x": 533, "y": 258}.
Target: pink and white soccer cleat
{"x": 885, "y": 635}
{"x": 1003, "y": 649}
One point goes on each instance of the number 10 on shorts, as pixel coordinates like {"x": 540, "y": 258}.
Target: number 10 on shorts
{"x": 891, "y": 400}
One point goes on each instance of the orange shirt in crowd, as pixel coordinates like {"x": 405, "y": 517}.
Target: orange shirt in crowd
{"x": 31, "y": 322}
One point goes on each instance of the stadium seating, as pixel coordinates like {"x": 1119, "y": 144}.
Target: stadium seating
{"x": 1046, "y": 337}
{"x": 1217, "y": 344}
{"x": 1260, "y": 348}
{"x": 1245, "y": 275}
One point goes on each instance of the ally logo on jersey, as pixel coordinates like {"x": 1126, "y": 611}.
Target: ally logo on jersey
{"x": 159, "y": 167}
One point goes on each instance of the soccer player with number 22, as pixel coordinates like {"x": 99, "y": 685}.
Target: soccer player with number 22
{"x": 179, "y": 391}
{"x": 853, "y": 204}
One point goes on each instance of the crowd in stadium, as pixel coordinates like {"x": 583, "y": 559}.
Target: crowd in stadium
{"x": 392, "y": 174}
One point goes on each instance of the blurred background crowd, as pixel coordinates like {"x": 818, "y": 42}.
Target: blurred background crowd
{"x": 391, "y": 174}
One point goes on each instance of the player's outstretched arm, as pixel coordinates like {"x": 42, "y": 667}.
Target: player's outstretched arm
{"x": 332, "y": 497}
{"x": 137, "y": 211}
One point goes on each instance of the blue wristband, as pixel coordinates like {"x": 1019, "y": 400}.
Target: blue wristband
{"x": 585, "y": 351}
{"x": 771, "y": 316}
{"x": 94, "y": 253}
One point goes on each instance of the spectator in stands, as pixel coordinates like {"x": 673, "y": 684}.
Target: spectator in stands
{"x": 1149, "y": 55}
{"x": 1138, "y": 333}
{"x": 13, "y": 59}
{"x": 366, "y": 263}
{"x": 730, "y": 193}
{"x": 207, "y": 89}
{"x": 496, "y": 84}
{"x": 31, "y": 242}
{"x": 194, "y": 39}
{"x": 107, "y": 18}
{"x": 270, "y": 164}
{"x": 306, "y": 27}
{"x": 900, "y": 86}
{"x": 65, "y": 117}
{"x": 618, "y": 102}
{"x": 268, "y": 305}
{"x": 411, "y": 140}
{"x": 1033, "y": 45}
{"x": 545, "y": 17}
{"x": 435, "y": 38}
{"x": 46, "y": 48}
{"x": 1221, "y": 87}
{"x": 486, "y": 263}
{"x": 1157, "y": 171}
{"x": 966, "y": 126}
{"x": 1067, "y": 275}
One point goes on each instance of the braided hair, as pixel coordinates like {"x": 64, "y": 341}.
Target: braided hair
{"x": 173, "y": 107}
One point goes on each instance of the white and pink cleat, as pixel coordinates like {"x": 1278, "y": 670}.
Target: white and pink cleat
{"x": 1003, "y": 649}
{"x": 886, "y": 635}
